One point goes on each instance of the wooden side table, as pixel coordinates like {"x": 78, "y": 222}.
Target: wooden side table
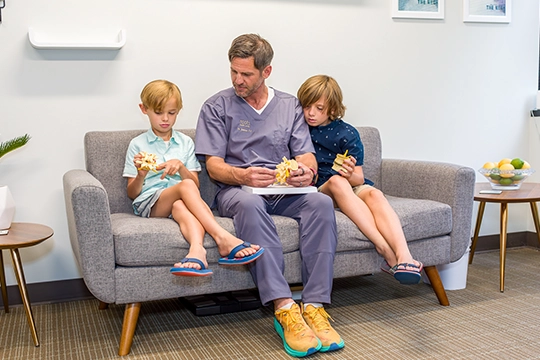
{"x": 529, "y": 192}
{"x": 21, "y": 235}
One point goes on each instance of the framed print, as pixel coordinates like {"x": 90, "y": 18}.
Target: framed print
{"x": 493, "y": 11}
{"x": 418, "y": 9}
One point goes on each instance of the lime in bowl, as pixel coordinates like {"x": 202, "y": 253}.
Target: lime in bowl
{"x": 506, "y": 179}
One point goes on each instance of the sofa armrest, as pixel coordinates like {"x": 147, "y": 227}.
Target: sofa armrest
{"x": 90, "y": 232}
{"x": 446, "y": 183}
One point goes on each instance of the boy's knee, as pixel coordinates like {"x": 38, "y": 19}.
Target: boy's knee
{"x": 337, "y": 181}
{"x": 187, "y": 183}
{"x": 185, "y": 186}
{"x": 375, "y": 195}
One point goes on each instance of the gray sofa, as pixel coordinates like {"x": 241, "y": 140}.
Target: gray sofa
{"x": 126, "y": 259}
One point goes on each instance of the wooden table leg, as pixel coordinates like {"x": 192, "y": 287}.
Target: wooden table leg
{"x": 3, "y": 284}
{"x": 504, "y": 223}
{"x": 19, "y": 274}
{"x": 481, "y": 208}
{"x": 534, "y": 210}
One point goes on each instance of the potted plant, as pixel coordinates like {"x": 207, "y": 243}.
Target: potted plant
{"x": 7, "y": 205}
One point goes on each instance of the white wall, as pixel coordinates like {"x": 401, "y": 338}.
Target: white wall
{"x": 437, "y": 89}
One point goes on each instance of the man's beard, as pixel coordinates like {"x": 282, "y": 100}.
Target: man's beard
{"x": 244, "y": 91}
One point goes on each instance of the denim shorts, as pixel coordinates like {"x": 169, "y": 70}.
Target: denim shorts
{"x": 144, "y": 208}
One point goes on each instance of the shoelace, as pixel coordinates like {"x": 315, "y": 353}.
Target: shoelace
{"x": 319, "y": 318}
{"x": 293, "y": 319}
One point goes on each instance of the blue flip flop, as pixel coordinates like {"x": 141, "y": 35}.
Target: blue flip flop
{"x": 232, "y": 260}
{"x": 387, "y": 268}
{"x": 408, "y": 277}
{"x": 191, "y": 272}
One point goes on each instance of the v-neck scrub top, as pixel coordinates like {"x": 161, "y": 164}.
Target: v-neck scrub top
{"x": 228, "y": 127}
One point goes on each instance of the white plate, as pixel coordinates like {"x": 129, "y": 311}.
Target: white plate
{"x": 279, "y": 189}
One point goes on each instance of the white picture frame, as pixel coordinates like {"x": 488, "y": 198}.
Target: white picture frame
{"x": 418, "y": 9}
{"x": 488, "y": 11}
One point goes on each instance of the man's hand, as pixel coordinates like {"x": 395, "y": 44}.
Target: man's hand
{"x": 301, "y": 177}
{"x": 258, "y": 176}
{"x": 227, "y": 174}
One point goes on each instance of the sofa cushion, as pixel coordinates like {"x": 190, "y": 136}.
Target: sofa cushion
{"x": 420, "y": 219}
{"x": 105, "y": 154}
{"x": 158, "y": 241}
{"x": 146, "y": 241}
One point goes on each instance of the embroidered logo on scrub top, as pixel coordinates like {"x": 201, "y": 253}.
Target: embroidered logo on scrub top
{"x": 244, "y": 126}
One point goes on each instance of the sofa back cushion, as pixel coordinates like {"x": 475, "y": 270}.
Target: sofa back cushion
{"x": 372, "y": 153}
{"x": 105, "y": 153}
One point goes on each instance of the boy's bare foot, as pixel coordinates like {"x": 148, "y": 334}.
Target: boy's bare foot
{"x": 229, "y": 242}
{"x": 195, "y": 252}
{"x": 414, "y": 264}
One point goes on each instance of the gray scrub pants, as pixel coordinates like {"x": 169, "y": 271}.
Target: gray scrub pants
{"x": 318, "y": 238}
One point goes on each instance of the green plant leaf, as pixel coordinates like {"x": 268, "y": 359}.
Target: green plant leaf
{"x": 13, "y": 144}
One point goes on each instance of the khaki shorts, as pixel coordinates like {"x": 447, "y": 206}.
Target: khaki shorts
{"x": 356, "y": 189}
{"x": 359, "y": 188}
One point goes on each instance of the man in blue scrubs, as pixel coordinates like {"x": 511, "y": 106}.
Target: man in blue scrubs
{"x": 244, "y": 132}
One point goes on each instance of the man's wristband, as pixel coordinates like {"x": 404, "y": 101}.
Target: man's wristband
{"x": 315, "y": 176}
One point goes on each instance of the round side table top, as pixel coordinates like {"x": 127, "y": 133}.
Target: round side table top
{"x": 24, "y": 235}
{"x": 527, "y": 193}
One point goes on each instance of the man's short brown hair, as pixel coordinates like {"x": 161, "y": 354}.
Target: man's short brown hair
{"x": 248, "y": 45}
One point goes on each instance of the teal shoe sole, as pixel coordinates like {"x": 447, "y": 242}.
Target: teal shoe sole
{"x": 333, "y": 346}
{"x": 288, "y": 349}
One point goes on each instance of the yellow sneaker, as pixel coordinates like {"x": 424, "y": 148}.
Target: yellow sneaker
{"x": 298, "y": 339}
{"x": 317, "y": 320}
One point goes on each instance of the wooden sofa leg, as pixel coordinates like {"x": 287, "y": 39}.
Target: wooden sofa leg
{"x": 103, "y": 305}
{"x": 436, "y": 284}
{"x": 131, "y": 316}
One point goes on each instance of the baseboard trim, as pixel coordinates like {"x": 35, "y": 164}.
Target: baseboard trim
{"x": 533, "y": 240}
{"x": 49, "y": 292}
{"x": 519, "y": 239}
{"x": 75, "y": 289}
